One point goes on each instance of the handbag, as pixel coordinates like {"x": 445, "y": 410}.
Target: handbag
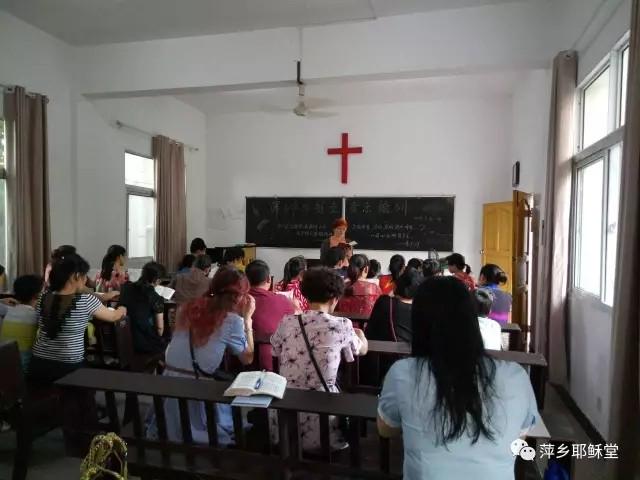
{"x": 107, "y": 459}
{"x": 218, "y": 374}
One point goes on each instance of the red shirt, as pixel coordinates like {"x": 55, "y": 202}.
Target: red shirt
{"x": 270, "y": 309}
{"x": 359, "y": 298}
{"x": 387, "y": 285}
{"x": 467, "y": 279}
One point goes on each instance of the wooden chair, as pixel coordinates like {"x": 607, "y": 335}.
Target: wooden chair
{"x": 31, "y": 412}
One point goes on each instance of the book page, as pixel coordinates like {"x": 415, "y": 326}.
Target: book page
{"x": 244, "y": 384}
{"x": 165, "y": 292}
{"x": 273, "y": 384}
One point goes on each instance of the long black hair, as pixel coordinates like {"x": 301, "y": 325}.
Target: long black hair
{"x": 446, "y": 340}
{"x": 396, "y": 266}
{"x": 55, "y": 307}
{"x": 294, "y": 267}
{"x": 109, "y": 261}
{"x": 493, "y": 274}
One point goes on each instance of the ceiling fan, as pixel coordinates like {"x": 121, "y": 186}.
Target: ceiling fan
{"x": 306, "y": 107}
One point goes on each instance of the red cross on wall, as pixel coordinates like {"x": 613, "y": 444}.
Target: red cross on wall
{"x": 344, "y": 150}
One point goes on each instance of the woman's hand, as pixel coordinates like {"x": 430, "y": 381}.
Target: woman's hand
{"x": 110, "y": 296}
{"x": 248, "y": 307}
{"x": 363, "y": 340}
{"x": 12, "y": 302}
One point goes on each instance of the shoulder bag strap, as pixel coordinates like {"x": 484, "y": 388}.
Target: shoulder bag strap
{"x": 391, "y": 326}
{"x": 313, "y": 358}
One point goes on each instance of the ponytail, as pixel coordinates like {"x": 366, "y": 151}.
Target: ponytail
{"x": 493, "y": 274}
{"x": 55, "y": 307}
{"x": 294, "y": 267}
{"x": 357, "y": 264}
{"x": 396, "y": 266}
{"x": 467, "y": 269}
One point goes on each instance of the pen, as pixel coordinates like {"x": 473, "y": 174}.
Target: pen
{"x": 258, "y": 383}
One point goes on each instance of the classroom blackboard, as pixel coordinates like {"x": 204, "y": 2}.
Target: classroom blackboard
{"x": 295, "y": 222}
{"x": 401, "y": 223}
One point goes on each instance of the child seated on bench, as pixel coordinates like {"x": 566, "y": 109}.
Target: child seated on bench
{"x": 21, "y": 323}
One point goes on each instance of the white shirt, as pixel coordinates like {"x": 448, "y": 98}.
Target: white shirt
{"x": 491, "y": 333}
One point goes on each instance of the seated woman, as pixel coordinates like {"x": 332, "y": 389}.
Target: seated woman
{"x": 431, "y": 268}
{"x": 457, "y": 409}
{"x": 491, "y": 277}
{"x": 186, "y": 263}
{"x": 234, "y": 257}
{"x": 360, "y": 295}
{"x": 459, "y": 269}
{"x": 63, "y": 315}
{"x": 113, "y": 273}
{"x": 146, "y": 309}
{"x": 390, "y": 318}
{"x": 374, "y": 271}
{"x": 396, "y": 267}
{"x": 205, "y": 328}
{"x": 293, "y": 271}
{"x": 330, "y": 339}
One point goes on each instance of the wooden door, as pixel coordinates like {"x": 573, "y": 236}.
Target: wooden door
{"x": 497, "y": 237}
{"x": 522, "y": 240}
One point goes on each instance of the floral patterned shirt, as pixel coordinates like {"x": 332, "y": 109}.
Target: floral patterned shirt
{"x": 331, "y": 338}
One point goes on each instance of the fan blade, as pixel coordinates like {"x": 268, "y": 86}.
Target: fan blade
{"x": 319, "y": 114}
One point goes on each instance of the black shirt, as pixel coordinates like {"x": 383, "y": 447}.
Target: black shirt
{"x": 143, "y": 303}
{"x": 386, "y": 310}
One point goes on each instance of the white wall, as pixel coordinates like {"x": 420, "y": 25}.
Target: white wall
{"x": 100, "y": 149}
{"x": 451, "y": 146}
{"x": 39, "y": 62}
{"x": 531, "y": 103}
{"x": 590, "y": 360}
{"x": 614, "y": 27}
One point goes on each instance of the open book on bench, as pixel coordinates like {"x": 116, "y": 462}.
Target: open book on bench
{"x": 247, "y": 384}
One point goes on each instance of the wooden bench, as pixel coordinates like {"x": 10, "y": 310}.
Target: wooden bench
{"x": 164, "y": 459}
{"x": 535, "y": 363}
{"x": 31, "y": 412}
{"x": 512, "y": 329}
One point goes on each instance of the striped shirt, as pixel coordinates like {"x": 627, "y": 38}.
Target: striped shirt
{"x": 68, "y": 346}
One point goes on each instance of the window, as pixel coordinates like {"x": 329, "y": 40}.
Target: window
{"x": 596, "y": 186}
{"x": 140, "y": 180}
{"x": 595, "y": 109}
{"x": 624, "y": 73}
{"x": 3, "y": 196}
{"x": 602, "y": 97}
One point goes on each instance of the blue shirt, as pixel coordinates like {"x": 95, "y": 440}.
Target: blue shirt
{"x": 407, "y": 402}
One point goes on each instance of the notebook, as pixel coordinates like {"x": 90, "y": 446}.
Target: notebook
{"x": 248, "y": 384}
{"x": 165, "y": 292}
{"x": 256, "y": 401}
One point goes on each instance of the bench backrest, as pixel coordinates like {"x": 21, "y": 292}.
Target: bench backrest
{"x": 358, "y": 408}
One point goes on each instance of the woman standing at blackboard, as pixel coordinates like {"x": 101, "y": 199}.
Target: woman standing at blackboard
{"x": 339, "y": 229}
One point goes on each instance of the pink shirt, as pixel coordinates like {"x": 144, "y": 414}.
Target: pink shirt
{"x": 270, "y": 309}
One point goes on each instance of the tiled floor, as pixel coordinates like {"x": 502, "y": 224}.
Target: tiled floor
{"x": 49, "y": 461}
